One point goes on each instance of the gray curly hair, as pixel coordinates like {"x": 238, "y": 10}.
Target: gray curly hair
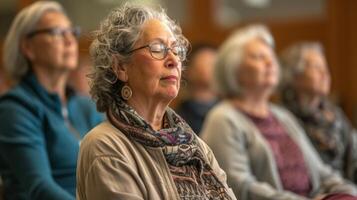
{"x": 16, "y": 64}
{"x": 293, "y": 62}
{"x": 117, "y": 34}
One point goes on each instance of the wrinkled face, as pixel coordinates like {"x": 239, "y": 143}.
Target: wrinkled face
{"x": 315, "y": 79}
{"x": 259, "y": 68}
{"x": 150, "y": 77}
{"x": 52, "y": 45}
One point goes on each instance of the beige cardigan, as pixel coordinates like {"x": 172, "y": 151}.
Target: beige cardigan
{"x": 112, "y": 167}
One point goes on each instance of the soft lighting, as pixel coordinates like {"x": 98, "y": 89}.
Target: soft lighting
{"x": 257, "y": 3}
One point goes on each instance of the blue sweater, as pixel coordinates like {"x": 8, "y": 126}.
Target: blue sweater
{"x": 38, "y": 145}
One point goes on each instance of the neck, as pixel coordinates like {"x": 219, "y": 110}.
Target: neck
{"x": 152, "y": 111}
{"x": 255, "y": 104}
{"x": 53, "y": 82}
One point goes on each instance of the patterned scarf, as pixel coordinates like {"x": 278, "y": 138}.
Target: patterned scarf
{"x": 193, "y": 177}
{"x": 325, "y": 126}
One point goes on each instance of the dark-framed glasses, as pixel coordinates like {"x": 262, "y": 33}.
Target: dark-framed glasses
{"x": 159, "y": 50}
{"x": 57, "y": 32}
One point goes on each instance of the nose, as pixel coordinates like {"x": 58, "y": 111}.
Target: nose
{"x": 69, "y": 38}
{"x": 270, "y": 61}
{"x": 172, "y": 60}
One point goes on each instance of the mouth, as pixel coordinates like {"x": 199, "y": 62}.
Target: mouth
{"x": 70, "y": 54}
{"x": 271, "y": 72}
{"x": 170, "y": 78}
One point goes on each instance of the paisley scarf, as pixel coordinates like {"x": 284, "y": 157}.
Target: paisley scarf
{"x": 325, "y": 125}
{"x": 193, "y": 176}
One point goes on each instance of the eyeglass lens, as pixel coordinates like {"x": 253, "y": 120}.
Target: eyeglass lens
{"x": 56, "y": 31}
{"x": 160, "y": 51}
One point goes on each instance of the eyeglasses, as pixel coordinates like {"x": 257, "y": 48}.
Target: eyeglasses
{"x": 56, "y": 32}
{"x": 159, "y": 50}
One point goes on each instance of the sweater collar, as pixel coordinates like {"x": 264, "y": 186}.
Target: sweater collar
{"x": 50, "y": 99}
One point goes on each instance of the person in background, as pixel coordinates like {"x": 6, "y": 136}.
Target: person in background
{"x": 262, "y": 148}
{"x": 41, "y": 120}
{"x": 199, "y": 76}
{"x": 78, "y": 79}
{"x": 304, "y": 91}
{"x": 5, "y": 82}
{"x": 144, "y": 150}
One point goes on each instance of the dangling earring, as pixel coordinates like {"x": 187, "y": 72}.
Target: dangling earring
{"x": 126, "y": 92}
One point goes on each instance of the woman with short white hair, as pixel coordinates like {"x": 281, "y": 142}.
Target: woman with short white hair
{"x": 305, "y": 89}
{"x": 260, "y": 146}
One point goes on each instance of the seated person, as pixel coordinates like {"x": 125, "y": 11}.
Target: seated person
{"x": 41, "y": 120}
{"x": 262, "y": 148}
{"x": 144, "y": 150}
{"x": 78, "y": 79}
{"x": 305, "y": 89}
{"x": 200, "y": 94}
{"x": 5, "y": 82}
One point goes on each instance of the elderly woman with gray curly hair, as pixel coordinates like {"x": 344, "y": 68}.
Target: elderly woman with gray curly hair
{"x": 144, "y": 150}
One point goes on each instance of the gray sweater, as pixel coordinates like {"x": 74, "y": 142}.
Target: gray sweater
{"x": 243, "y": 153}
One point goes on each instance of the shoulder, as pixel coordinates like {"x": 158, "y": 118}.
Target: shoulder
{"x": 105, "y": 140}
{"x": 283, "y": 114}
{"x": 202, "y": 145}
{"x": 21, "y": 117}
{"x": 225, "y": 124}
{"x": 82, "y": 102}
{"x": 107, "y": 157}
{"x": 19, "y": 104}
{"x": 222, "y": 110}
{"x": 275, "y": 108}
{"x": 340, "y": 114}
{"x": 205, "y": 148}
{"x": 224, "y": 113}
{"x": 19, "y": 96}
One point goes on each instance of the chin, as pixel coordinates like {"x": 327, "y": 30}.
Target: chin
{"x": 170, "y": 95}
{"x": 271, "y": 84}
{"x": 70, "y": 66}
{"x": 322, "y": 93}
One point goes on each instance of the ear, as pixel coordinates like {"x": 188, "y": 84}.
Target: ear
{"x": 26, "y": 49}
{"x": 120, "y": 69}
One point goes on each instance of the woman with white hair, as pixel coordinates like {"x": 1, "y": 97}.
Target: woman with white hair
{"x": 41, "y": 120}
{"x": 260, "y": 146}
{"x": 305, "y": 89}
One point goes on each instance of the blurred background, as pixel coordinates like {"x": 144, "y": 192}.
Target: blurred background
{"x": 331, "y": 22}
